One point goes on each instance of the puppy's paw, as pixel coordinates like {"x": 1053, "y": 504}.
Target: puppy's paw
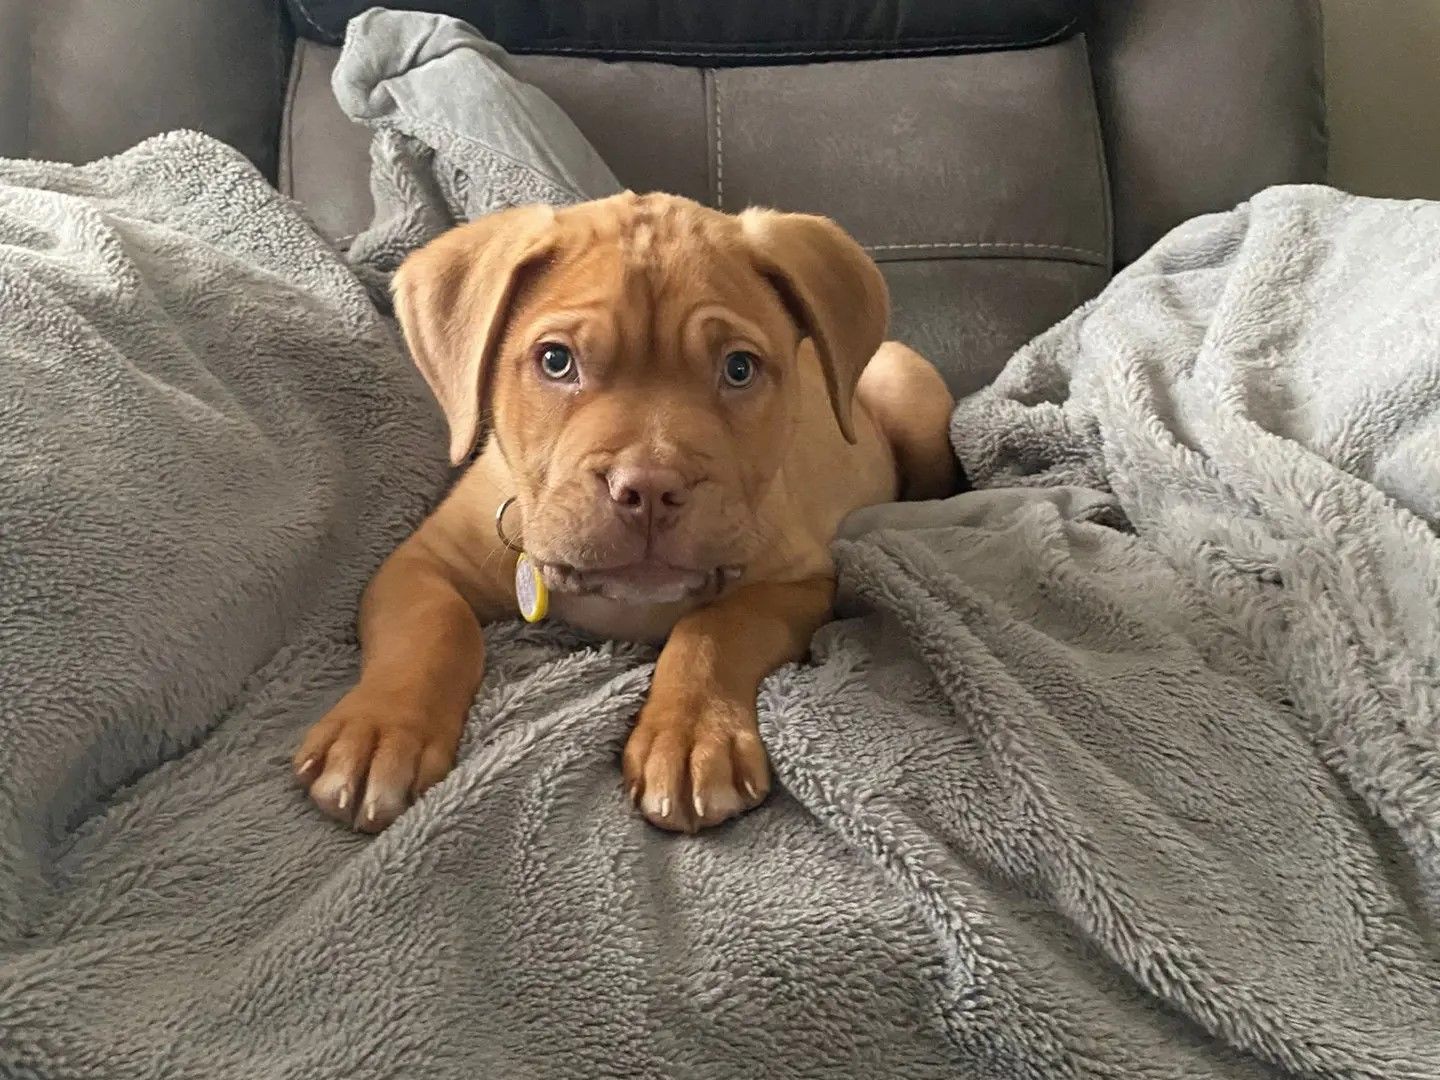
{"x": 687, "y": 768}
{"x": 367, "y": 760}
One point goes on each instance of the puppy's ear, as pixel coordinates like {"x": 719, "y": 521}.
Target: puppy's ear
{"x": 453, "y": 298}
{"x": 833, "y": 290}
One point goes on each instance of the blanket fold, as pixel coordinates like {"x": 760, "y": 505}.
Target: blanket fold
{"x": 455, "y": 136}
{"x": 1262, "y": 392}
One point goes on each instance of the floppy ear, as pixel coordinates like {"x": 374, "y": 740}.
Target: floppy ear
{"x": 833, "y": 290}
{"x": 452, "y": 298}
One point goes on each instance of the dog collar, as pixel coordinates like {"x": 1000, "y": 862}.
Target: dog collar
{"x": 531, "y": 594}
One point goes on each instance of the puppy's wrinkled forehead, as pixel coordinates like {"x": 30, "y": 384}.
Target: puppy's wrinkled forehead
{"x": 655, "y": 253}
{"x": 645, "y": 228}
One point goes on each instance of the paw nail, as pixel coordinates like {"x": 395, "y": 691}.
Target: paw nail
{"x": 699, "y": 807}
{"x": 750, "y": 790}
{"x": 635, "y": 794}
{"x": 344, "y": 798}
{"x": 665, "y": 807}
{"x": 306, "y": 767}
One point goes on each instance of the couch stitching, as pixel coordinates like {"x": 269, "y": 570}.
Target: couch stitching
{"x": 986, "y": 245}
{"x": 719, "y": 143}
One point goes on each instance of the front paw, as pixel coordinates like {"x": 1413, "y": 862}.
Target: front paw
{"x": 368, "y": 759}
{"x": 691, "y": 766}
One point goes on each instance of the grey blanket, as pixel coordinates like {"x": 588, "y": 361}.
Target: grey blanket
{"x": 455, "y": 136}
{"x": 1054, "y": 799}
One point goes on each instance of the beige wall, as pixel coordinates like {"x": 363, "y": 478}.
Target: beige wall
{"x": 1382, "y": 60}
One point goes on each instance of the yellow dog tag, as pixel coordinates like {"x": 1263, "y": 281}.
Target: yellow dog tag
{"x": 530, "y": 592}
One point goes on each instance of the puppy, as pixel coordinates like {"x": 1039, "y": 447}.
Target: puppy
{"x": 684, "y": 404}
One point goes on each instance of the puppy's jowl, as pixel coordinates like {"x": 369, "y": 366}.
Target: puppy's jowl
{"x": 684, "y": 406}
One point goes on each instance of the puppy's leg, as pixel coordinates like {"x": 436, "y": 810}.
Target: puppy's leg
{"x": 423, "y": 655}
{"x": 695, "y": 756}
{"x": 909, "y": 400}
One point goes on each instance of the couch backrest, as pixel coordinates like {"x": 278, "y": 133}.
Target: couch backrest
{"x": 977, "y": 181}
{"x": 998, "y": 189}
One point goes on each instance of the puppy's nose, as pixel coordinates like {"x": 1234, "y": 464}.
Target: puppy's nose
{"x": 646, "y": 491}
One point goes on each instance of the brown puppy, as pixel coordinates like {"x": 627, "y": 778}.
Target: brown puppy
{"x": 684, "y": 406}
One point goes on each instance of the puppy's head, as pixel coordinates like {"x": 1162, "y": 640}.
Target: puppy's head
{"x": 639, "y": 359}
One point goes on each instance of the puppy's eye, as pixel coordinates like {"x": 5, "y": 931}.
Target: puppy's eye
{"x": 556, "y": 361}
{"x": 741, "y": 369}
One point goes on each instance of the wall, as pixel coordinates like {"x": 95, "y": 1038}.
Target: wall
{"x": 1382, "y": 60}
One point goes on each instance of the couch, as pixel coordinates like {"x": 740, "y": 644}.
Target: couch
{"x": 1119, "y": 765}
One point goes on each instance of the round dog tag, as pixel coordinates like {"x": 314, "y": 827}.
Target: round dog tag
{"x": 530, "y": 592}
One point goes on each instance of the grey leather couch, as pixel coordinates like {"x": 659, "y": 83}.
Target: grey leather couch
{"x": 998, "y": 189}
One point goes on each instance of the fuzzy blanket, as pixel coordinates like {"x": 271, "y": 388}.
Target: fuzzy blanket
{"x": 1054, "y": 798}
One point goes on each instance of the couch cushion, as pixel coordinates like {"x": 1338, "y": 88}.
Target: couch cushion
{"x": 733, "y": 31}
{"x": 977, "y": 181}
{"x": 81, "y": 79}
{"x": 1204, "y": 104}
